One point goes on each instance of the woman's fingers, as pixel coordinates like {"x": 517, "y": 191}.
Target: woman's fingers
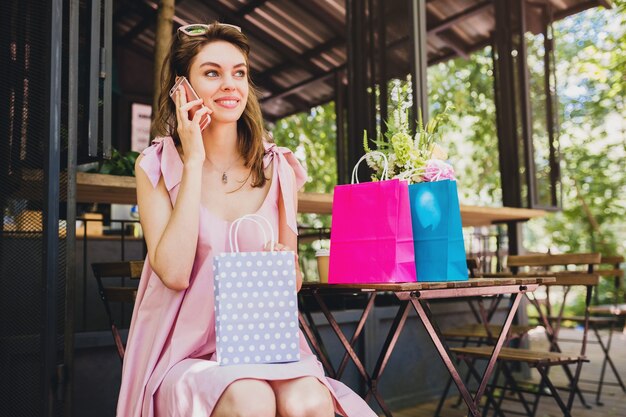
{"x": 277, "y": 247}
{"x": 200, "y": 113}
{"x": 190, "y": 104}
{"x": 177, "y": 104}
{"x": 183, "y": 96}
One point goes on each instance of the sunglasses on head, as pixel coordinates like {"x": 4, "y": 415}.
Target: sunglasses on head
{"x": 197, "y": 29}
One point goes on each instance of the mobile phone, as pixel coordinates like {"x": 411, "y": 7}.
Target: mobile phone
{"x": 191, "y": 95}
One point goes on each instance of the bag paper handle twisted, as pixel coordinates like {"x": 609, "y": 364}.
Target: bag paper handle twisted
{"x": 385, "y": 167}
{"x": 252, "y": 218}
{"x": 406, "y": 175}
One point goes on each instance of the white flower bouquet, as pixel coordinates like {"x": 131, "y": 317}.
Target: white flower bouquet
{"x": 414, "y": 157}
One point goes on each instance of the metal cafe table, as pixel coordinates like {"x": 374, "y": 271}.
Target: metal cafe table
{"x": 417, "y": 295}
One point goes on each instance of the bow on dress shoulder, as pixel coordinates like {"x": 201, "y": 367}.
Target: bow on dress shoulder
{"x": 286, "y": 163}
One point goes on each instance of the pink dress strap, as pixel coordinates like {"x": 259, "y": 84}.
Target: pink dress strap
{"x": 161, "y": 158}
{"x": 285, "y": 162}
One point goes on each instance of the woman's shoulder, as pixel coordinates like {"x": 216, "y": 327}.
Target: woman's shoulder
{"x": 161, "y": 158}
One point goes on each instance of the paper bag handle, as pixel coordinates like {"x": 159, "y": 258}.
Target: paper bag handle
{"x": 356, "y": 167}
{"x": 251, "y": 217}
{"x": 406, "y": 175}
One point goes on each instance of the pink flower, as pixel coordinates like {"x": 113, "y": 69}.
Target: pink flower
{"x": 437, "y": 170}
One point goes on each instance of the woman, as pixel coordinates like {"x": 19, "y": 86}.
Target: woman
{"x": 191, "y": 185}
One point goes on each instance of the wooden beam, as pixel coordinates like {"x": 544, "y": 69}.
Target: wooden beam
{"x": 336, "y": 25}
{"x": 577, "y": 8}
{"x": 311, "y": 53}
{"x": 133, "y": 32}
{"x": 294, "y": 88}
{"x": 249, "y": 7}
{"x": 455, "y": 43}
{"x": 456, "y": 18}
{"x": 253, "y": 31}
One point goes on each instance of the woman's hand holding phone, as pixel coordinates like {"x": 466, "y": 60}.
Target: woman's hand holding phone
{"x": 190, "y": 131}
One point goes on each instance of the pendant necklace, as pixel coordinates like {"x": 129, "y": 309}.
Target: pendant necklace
{"x": 224, "y": 172}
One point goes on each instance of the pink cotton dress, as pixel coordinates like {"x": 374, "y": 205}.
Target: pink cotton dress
{"x": 169, "y": 366}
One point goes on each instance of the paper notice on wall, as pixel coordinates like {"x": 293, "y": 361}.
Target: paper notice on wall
{"x": 140, "y": 126}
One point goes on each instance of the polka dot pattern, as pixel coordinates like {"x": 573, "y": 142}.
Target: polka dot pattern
{"x": 265, "y": 322}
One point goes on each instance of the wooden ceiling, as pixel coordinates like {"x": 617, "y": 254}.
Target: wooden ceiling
{"x": 298, "y": 45}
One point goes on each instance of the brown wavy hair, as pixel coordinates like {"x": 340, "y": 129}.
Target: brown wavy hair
{"x": 250, "y": 130}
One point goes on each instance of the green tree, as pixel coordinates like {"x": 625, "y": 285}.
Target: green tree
{"x": 470, "y": 135}
{"x": 591, "y": 59}
{"x": 590, "y": 52}
{"x": 313, "y": 138}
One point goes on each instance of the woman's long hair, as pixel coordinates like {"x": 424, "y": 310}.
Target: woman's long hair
{"x": 250, "y": 130}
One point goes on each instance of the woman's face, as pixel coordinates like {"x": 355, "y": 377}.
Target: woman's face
{"x": 219, "y": 75}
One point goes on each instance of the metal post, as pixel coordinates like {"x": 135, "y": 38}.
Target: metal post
{"x": 524, "y": 107}
{"x": 358, "y": 99}
{"x": 419, "y": 61}
{"x": 94, "y": 79}
{"x": 340, "y": 121}
{"x": 70, "y": 239}
{"x": 106, "y": 72}
{"x": 52, "y": 159}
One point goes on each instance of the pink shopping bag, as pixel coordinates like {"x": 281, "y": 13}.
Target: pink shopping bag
{"x": 371, "y": 234}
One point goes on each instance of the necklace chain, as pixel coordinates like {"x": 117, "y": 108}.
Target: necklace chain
{"x": 224, "y": 172}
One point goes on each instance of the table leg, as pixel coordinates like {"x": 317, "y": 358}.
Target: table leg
{"x": 423, "y": 311}
{"x": 392, "y": 337}
{"x": 370, "y": 385}
{"x": 316, "y": 344}
{"x": 357, "y": 332}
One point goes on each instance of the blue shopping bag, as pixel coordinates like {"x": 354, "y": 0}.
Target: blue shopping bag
{"x": 437, "y": 232}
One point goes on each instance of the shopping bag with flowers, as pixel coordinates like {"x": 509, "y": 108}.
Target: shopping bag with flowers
{"x": 435, "y": 211}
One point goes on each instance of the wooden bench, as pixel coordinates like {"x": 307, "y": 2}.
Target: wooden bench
{"x": 531, "y": 357}
{"x": 479, "y": 331}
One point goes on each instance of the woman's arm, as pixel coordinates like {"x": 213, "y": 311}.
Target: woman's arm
{"x": 286, "y": 236}
{"x": 171, "y": 234}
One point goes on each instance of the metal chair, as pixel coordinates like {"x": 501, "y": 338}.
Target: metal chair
{"x": 543, "y": 265}
{"x": 121, "y": 294}
{"x": 604, "y": 316}
{"x": 477, "y": 333}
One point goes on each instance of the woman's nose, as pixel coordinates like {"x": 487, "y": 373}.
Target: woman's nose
{"x": 228, "y": 83}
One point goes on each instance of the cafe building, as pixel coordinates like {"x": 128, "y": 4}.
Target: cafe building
{"x": 77, "y": 92}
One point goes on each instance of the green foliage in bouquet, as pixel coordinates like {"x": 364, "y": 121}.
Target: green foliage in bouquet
{"x": 407, "y": 153}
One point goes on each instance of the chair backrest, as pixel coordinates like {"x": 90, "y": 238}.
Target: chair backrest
{"x": 559, "y": 267}
{"x": 550, "y": 260}
{"x": 131, "y": 269}
{"x": 473, "y": 266}
{"x": 610, "y": 266}
{"x": 104, "y": 270}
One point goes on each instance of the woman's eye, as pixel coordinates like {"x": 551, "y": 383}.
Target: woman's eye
{"x": 211, "y": 73}
{"x": 240, "y": 73}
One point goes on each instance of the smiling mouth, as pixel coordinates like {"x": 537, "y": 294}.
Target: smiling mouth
{"x": 228, "y": 104}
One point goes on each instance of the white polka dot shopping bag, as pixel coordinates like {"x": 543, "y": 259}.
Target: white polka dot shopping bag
{"x": 256, "y": 310}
